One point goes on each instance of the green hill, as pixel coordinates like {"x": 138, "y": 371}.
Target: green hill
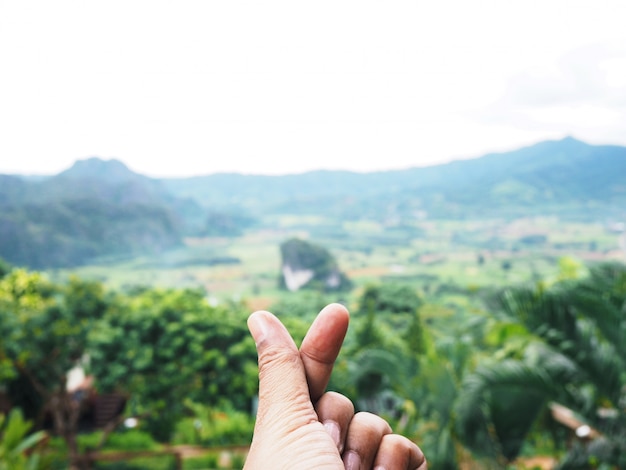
{"x": 553, "y": 176}
{"x": 101, "y": 209}
{"x": 95, "y": 209}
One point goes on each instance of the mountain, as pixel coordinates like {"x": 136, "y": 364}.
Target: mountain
{"x": 101, "y": 208}
{"x": 12, "y": 188}
{"x": 548, "y": 177}
{"x": 94, "y": 209}
{"x": 104, "y": 179}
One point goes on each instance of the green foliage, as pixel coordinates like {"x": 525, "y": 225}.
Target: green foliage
{"x": 121, "y": 440}
{"x": 390, "y": 298}
{"x": 437, "y": 367}
{"x": 238, "y": 461}
{"x": 369, "y": 334}
{"x": 131, "y": 439}
{"x": 45, "y": 326}
{"x": 161, "y": 462}
{"x": 383, "y": 350}
{"x": 202, "y": 463}
{"x": 209, "y": 426}
{"x": 5, "y": 268}
{"x": 94, "y": 209}
{"x": 212, "y": 461}
{"x": 450, "y": 347}
{"x": 573, "y": 355}
{"x": 158, "y": 346}
{"x": 375, "y": 371}
{"x": 569, "y": 268}
{"x": 70, "y": 233}
{"x": 45, "y": 330}
{"x": 305, "y": 305}
{"x": 163, "y": 346}
{"x": 501, "y": 401}
{"x": 15, "y": 442}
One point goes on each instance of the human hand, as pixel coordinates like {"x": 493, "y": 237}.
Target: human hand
{"x": 299, "y": 426}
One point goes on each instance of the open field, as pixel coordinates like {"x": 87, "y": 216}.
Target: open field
{"x": 468, "y": 254}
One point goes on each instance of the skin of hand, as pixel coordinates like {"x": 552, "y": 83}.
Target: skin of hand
{"x": 298, "y": 425}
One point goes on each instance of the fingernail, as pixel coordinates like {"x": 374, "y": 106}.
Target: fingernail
{"x": 258, "y": 326}
{"x": 333, "y": 431}
{"x": 379, "y": 467}
{"x": 352, "y": 460}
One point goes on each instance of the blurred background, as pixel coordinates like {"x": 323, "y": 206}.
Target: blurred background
{"x": 454, "y": 173}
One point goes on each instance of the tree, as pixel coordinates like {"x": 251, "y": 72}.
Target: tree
{"x": 572, "y": 352}
{"x": 392, "y": 298}
{"x": 164, "y": 346}
{"x": 448, "y": 349}
{"x": 44, "y": 330}
{"x": 5, "y": 268}
{"x": 157, "y": 347}
{"x": 383, "y": 352}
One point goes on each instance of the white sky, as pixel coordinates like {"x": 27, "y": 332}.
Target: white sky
{"x": 181, "y": 87}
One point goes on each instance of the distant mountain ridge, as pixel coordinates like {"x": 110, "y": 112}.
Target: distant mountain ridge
{"x": 101, "y": 208}
{"x": 550, "y": 173}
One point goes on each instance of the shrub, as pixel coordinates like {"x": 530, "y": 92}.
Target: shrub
{"x": 15, "y": 441}
{"x": 210, "y": 426}
{"x": 202, "y": 463}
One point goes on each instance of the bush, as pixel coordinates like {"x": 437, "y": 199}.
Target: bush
{"x": 16, "y": 441}
{"x": 209, "y": 426}
{"x": 212, "y": 461}
{"x": 133, "y": 439}
{"x": 161, "y": 462}
{"x": 201, "y": 463}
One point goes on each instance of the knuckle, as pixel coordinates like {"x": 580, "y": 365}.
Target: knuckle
{"x": 339, "y": 399}
{"x": 334, "y": 404}
{"x": 273, "y": 357}
{"x": 372, "y": 422}
{"x": 400, "y": 445}
{"x": 399, "y": 442}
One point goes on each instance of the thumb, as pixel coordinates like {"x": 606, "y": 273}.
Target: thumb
{"x": 283, "y": 390}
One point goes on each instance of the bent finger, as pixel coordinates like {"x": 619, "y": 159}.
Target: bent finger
{"x": 399, "y": 453}
{"x": 335, "y": 412}
{"x": 364, "y": 436}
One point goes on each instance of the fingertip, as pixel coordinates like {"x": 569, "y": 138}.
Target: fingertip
{"x": 267, "y": 329}
{"x": 258, "y": 325}
{"x": 334, "y": 317}
{"x": 338, "y": 310}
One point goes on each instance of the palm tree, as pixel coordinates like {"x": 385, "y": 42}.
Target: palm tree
{"x": 573, "y": 352}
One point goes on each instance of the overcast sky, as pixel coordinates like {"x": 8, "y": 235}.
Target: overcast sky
{"x": 195, "y": 87}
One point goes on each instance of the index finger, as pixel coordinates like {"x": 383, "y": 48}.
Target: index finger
{"x": 320, "y": 347}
